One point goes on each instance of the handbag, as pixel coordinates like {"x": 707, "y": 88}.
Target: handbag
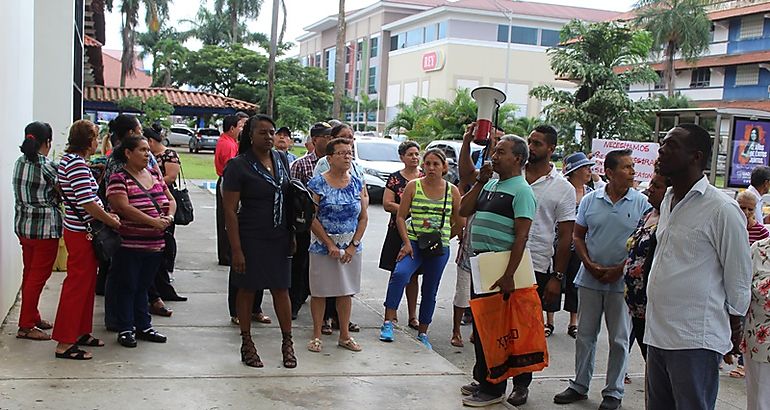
{"x": 184, "y": 206}
{"x": 430, "y": 243}
{"x": 105, "y": 240}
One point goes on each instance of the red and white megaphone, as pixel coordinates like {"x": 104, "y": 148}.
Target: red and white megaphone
{"x": 488, "y": 100}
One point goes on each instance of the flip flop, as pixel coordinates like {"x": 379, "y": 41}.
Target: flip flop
{"x": 32, "y": 334}
{"x": 353, "y": 327}
{"x": 261, "y": 318}
{"x": 326, "y": 329}
{"x": 88, "y": 340}
{"x": 457, "y": 341}
{"x": 414, "y": 324}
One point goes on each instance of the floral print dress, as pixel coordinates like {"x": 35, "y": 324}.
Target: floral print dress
{"x": 756, "y": 336}
{"x": 641, "y": 247}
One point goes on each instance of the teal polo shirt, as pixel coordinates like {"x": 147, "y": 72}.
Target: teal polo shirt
{"x": 609, "y": 227}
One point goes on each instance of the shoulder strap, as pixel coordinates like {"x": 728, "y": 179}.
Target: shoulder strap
{"x": 144, "y": 190}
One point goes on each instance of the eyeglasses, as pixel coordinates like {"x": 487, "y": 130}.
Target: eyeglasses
{"x": 344, "y": 154}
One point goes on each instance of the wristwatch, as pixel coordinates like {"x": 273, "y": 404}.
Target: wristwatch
{"x": 558, "y": 275}
{"x": 355, "y": 243}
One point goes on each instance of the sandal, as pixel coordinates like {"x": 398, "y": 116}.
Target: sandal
{"x": 353, "y": 327}
{"x": 261, "y": 318}
{"x": 349, "y": 344}
{"x": 326, "y": 328}
{"x": 88, "y": 340}
{"x": 548, "y": 329}
{"x": 457, "y": 341}
{"x": 572, "y": 331}
{"x": 414, "y": 323}
{"x": 287, "y": 350}
{"x": 33, "y": 333}
{"x": 73, "y": 353}
{"x": 249, "y": 354}
{"x": 315, "y": 345}
{"x": 626, "y": 379}
{"x": 160, "y": 310}
{"x": 738, "y": 373}
{"x": 44, "y": 325}
{"x": 234, "y": 320}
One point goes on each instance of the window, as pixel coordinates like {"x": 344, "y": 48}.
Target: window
{"x": 348, "y": 52}
{"x": 397, "y": 41}
{"x": 373, "y": 46}
{"x": 661, "y": 83}
{"x": 317, "y": 60}
{"x": 752, "y": 27}
{"x": 360, "y": 50}
{"x": 372, "y": 80}
{"x": 549, "y": 38}
{"x": 523, "y": 35}
{"x": 442, "y": 30}
{"x": 431, "y": 33}
{"x": 701, "y": 77}
{"x": 746, "y": 75}
{"x": 502, "y": 33}
{"x": 415, "y": 37}
{"x": 304, "y": 61}
{"x": 357, "y": 82}
{"x": 329, "y": 57}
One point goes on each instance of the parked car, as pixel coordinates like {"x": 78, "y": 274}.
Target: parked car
{"x": 205, "y": 138}
{"x": 451, "y": 149}
{"x": 178, "y": 135}
{"x": 379, "y": 158}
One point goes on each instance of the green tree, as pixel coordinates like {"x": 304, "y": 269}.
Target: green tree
{"x": 677, "y": 27}
{"x": 156, "y": 11}
{"x": 590, "y": 56}
{"x": 230, "y": 71}
{"x": 154, "y": 109}
{"x": 167, "y": 52}
{"x": 213, "y": 29}
{"x": 235, "y": 12}
{"x": 366, "y": 105}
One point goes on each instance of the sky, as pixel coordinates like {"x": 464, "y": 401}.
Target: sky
{"x": 299, "y": 15}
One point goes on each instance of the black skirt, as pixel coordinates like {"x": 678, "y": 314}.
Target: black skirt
{"x": 268, "y": 263}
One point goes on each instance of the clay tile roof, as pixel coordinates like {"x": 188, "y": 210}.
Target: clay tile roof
{"x": 712, "y": 61}
{"x": 739, "y": 11}
{"x": 175, "y": 97}
{"x": 89, "y": 41}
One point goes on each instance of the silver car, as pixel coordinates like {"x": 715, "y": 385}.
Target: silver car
{"x": 178, "y": 135}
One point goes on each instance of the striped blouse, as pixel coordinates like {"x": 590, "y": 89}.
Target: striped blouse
{"x": 427, "y": 214}
{"x": 37, "y": 213}
{"x": 79, "y": 187}
{"x": 136, "y": 235}
{"x": 757, "y": 232}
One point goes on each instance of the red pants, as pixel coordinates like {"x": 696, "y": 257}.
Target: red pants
{"x": 39, "y": 256}
{"x": 75, "y": 315}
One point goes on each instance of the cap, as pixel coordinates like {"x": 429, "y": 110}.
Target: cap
{"x": 320, "y": 128}
{"x": 283, "y": 130}
{"x": 575, "y": 161}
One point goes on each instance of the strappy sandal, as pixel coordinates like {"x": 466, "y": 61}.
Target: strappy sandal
{"x": 349, "y": 344}
{"x": 44, "y": 325}
{"x": 287, "y": 350}
{"x": 414, "y": 323}
{"x": 738, "y": 373}
{"x": 33, "y": 333}
{"x": 73, "y": 353}
{"x": 572, "y": 331}
{"x": 88, "y": 340}
{"x": 457, "y": 341}
{"x": 249, "y": 354}
{"x": 548, "y": 329}
{"x": 326, "y": 329}
{"x": 315, "y": 345}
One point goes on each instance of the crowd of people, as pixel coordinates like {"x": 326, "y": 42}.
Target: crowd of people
{"x": 677, "y": 268}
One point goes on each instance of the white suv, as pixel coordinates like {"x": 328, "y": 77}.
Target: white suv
{"x": 379, "y": 158}
{"x": 179, "y": 135}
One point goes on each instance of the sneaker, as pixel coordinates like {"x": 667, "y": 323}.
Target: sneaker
{"x": 568, "y": 396}
{"x": 469, "y": 389}
{"x": 609, "y": 403}
{"x": 480, "y": 399}
{"x": 423, "y": 338}
{"x": 386, "y": 332}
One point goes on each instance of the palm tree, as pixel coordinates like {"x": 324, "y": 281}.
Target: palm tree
{"x": 168, "y": 53}
{"x": 339, "y": 62}
{"x": 156, "y": 11}
{"x": 367, "y": 105}
{"x": 677, "y": 26}
{"x": 236, "y": 11}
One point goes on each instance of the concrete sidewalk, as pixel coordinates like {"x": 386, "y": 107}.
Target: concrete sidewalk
{"x": 200, "y": 368}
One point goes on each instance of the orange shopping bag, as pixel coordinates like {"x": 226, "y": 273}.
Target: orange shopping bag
{"x": 511, "y": 333}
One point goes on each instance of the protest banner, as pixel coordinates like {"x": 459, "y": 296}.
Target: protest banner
{"x": 644, "y": 154}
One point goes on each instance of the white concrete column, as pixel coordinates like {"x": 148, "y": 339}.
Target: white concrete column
{"x": 17, "y": 40}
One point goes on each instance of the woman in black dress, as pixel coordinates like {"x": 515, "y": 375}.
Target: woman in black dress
{"x": 409, "y": 152}
{"x": 257, "y": 209}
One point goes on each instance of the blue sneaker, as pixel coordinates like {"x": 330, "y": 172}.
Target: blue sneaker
{"x": 423, "y": 338}
{"x": 386, "y": 332}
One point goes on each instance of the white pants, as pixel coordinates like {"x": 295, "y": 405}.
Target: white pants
{"x": 757, "y": 384}
{"x": 462, "y": 288}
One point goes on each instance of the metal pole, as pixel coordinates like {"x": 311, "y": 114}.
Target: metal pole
{"x": 377, "y": 119}
{"x": 508, "y": 54}
{"x": 271, "y": 62}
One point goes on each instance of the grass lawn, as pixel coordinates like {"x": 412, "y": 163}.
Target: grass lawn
{"x": 201, "y": 166}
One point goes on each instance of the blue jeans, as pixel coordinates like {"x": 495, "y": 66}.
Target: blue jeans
{"x": 432, "y": 268}
{"x": 682, "y": 379}
{"x": 592, "y": 304}
{"x": 131, "y": 274}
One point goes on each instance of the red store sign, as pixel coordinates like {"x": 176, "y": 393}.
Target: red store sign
{"x": 433, "y": 61}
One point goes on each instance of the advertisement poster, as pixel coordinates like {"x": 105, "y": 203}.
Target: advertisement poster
{"x": 644, "y": 154}
{"x": 750, "y": 149}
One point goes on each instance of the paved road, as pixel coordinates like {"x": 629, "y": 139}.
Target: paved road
{"x": 199, "y": 368}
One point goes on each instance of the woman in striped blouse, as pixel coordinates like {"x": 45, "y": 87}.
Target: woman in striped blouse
{"x": 37, "y": 224}
{"x": 433, "y": 205}
{"x": 74, "y": 317}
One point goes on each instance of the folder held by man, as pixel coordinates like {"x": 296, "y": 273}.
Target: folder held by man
{"x": 488, "y": 267}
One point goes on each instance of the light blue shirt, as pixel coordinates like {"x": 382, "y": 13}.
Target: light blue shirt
{"x": 609, "y": 227}
{"x": 323, "y": 166}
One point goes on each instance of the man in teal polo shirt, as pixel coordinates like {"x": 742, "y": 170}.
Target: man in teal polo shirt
{"x": 606, "y": 219}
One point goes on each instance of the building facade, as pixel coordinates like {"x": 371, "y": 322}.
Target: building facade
{"x": 402, "y": 49}
{"x": 734, "y": 72}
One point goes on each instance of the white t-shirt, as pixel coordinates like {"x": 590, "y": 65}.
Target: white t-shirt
{"x": 555, "y": 203}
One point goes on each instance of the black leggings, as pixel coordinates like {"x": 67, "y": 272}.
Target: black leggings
{"x": 637, "y": 333}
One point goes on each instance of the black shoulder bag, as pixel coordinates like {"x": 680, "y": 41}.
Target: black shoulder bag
{"x": 302, "y": 207}
{"x": 105, "y": 240}
{"x": 430, "y": 242}
{"x": 184, "y": 206}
